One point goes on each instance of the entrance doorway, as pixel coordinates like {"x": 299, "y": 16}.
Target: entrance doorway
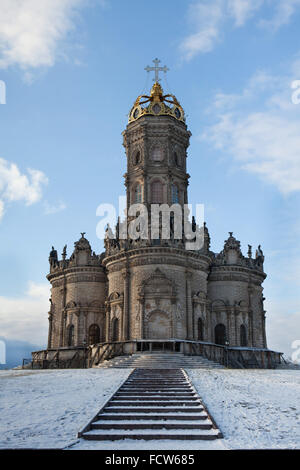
{"x": 159, "y": 326}
{"x": 220, "y": 334}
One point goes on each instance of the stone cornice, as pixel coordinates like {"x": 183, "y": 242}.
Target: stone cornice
{"x": 157, "y": 255}
{"x": 237, "y": 269}
{"x": 76, "y": 270}
{"x": 236, "y": 273}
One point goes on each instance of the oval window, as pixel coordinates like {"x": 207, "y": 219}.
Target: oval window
{"x": 156, "y": 108}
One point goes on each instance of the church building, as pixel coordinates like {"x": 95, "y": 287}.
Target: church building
{"x": 154, "y": 293}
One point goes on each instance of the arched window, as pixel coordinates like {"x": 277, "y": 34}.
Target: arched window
{"x": 137, "y": 198}
{"x": 157, "y": 192}
{"x": 175, "y": 194}
{"x": 94, "y": 334}
{"x": 243, "y": 336}
{"x": 200, "y": 329}
{"x": 71, "y": 335}
{"x": 177, "y": 159}
{"x": 136, "y": 157}
{"x": 157, "y": 154}
{"x": 115, "y": 330}
{"x": 220, "y": 334}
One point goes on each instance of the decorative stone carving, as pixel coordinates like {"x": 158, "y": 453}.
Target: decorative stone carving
{"x": 158, "y": 287}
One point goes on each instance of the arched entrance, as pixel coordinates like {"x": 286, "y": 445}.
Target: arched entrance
{"x": 94, "y": 334}
{"x": 220, "y": 334}
{"x": 200, "y": 329}
{"x": 71, "y": 335}
{"x": 243, "y": 336}
{"x": 159, "y": 325}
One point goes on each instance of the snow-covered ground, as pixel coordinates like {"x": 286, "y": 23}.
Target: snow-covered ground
{"x": 45, "y": 409}
{"x": 255, "y": 409}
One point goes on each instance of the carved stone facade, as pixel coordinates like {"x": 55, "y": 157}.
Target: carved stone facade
{"x": 155, "y": 288}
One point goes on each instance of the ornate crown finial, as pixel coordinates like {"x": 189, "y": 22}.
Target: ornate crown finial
{"x": 157, "y": 103}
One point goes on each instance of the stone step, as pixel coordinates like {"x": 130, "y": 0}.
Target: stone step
{"x": 157, "y": 386}
{"x": 157, "y": 389}
{"x": 171, "y": 361}
{"x": 149, "y": 393}
{"x": 153, "y": 417}
{"x": 159, "y": 402}
{"x": 151, "y": 434}
{"x": 156, "y": 398}
{"x": 150, "y": 366}
{"x": 148, "y": 424}
{"x": 161, "y": 385}
{"x": 157, "y": 382}
{"x": 158, "y": 379}
{"x": 155, "y": 409}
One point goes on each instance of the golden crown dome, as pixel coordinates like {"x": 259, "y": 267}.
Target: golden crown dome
{"x": 156, "y": 105}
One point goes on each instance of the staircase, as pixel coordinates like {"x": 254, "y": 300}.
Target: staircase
{"x": 160, "y": 361}
{"x": 153, "y": 404}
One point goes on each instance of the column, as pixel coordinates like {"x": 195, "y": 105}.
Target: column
{"x": 62, "y": 327}
{"x": 142, "y": 316}
{"x": 63, "y": 292}
{"x": 77, "y": 337}
{"x": 50, "y": 330}
{"x": 264, "y": 328}
{"x": 211, "y": 323}
{"x": 189, "y": 307}
{"x": 126, "y": 323}
{"x": 84, "y": 338}
{"x": 107, "y": 322}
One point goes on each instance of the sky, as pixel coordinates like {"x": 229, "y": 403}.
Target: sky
{"x": 70, "y": 71}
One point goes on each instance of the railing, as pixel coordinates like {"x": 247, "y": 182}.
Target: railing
{"x": 60, "y": 359}
{"x": 93, "y": 355}
{"x": 234, "y": 357}
{"x": 39, "y": 360}
{"x": 26, "y": 362}
{"x": 104, "y": 352}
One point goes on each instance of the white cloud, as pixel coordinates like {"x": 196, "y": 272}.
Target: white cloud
{"x": 38, "y": 291}
{"x": 210, "y": 17}
{"x": 1, "y": 209}
{"x": 242, "y": 10}
{"x": 283, "y": 326}
{"x": 264, "y": 144}
{"x": 25, "y": 318}
{"x": 264, "y": 140}
{"x": 207, "y": 16}
{"x": 54, "y": 208}
{"x": 32, "y": 30}
{"x": 15, "y": 186}
{"x": 284, "y": 10}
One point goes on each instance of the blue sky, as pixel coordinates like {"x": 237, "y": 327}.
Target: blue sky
{"x": 73, "y": 69}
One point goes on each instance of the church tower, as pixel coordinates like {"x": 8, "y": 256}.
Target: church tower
{"x": 156, "y": 141}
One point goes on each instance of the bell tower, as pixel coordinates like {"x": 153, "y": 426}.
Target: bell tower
{"x": 156, "y": 141}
